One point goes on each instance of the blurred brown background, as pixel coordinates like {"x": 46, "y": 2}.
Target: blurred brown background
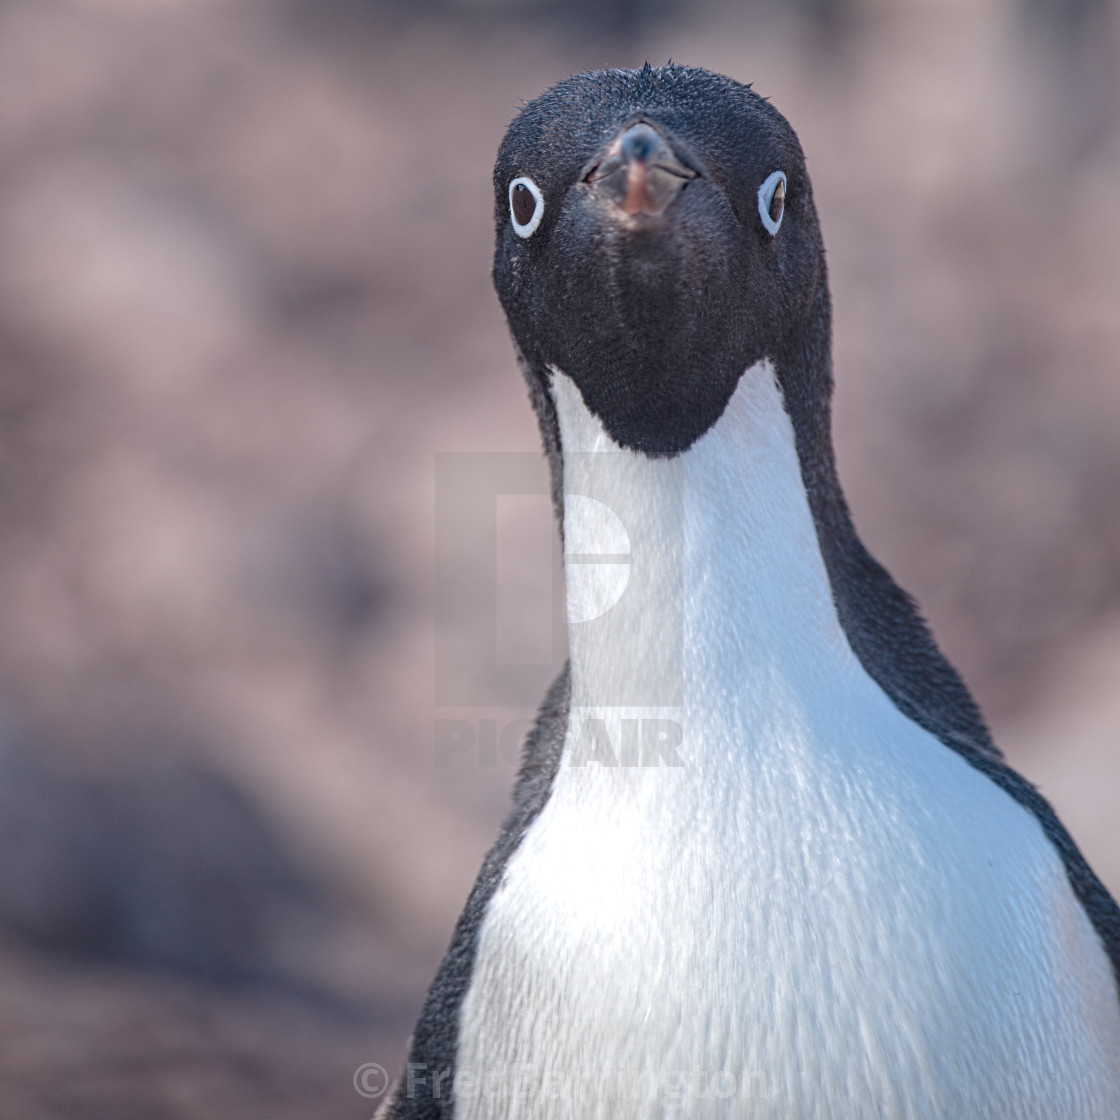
{"x": 244, "y": 302}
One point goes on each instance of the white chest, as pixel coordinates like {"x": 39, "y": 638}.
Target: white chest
{"x": 821, "y": 911}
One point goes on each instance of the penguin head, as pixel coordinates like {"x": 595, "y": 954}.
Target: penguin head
{"x": 656, "y": 236}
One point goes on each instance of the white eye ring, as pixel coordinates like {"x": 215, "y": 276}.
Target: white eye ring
{"x": 528, "y": 228}
{"x": 775, "y": 183}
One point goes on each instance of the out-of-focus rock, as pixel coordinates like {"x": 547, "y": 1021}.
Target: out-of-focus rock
{"x": 158, "y": 860}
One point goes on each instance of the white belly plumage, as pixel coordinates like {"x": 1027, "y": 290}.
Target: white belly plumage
{"x": 822, "y": 911}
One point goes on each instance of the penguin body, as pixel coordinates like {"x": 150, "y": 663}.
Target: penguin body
{"x": 764, "y": 859}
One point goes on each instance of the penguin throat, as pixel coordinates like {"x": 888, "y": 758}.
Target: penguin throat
{"x": 683, "y": 571}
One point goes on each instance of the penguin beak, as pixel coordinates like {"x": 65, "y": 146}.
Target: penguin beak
{"x": 639, "y": 172}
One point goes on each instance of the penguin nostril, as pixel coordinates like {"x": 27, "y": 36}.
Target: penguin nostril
{"x": 596, "y": 173}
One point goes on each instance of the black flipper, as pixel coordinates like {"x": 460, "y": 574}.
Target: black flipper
{"x": 424, "y": 1089}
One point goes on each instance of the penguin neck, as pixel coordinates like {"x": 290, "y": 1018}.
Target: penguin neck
{"x": 698, "y": 573}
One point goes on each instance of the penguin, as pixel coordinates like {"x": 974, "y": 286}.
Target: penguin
{"x": 764, "y": 859}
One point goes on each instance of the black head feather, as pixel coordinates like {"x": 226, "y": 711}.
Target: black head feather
{"x": 656, "y": 317}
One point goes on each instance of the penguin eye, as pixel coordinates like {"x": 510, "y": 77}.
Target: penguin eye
{"x": 772, "y": 200}
{"x": 526, "y": 205}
